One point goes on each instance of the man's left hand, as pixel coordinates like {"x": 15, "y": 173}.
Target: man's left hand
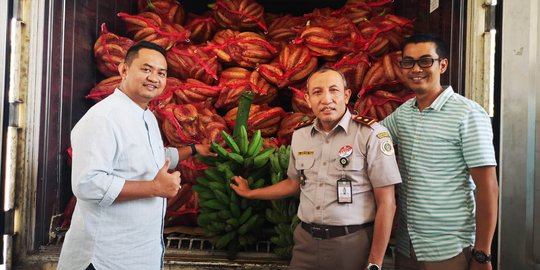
{"x": 474, "y": 265}
{"x": 205, "y": 150}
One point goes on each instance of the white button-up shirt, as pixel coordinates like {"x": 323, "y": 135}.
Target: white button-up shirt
{"x": 115, "y": 141}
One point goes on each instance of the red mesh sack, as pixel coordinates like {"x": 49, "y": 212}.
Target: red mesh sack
{"x": 104, "y": 88}
{"x": 188, "y": 61}
{"x": 239, "y": 14}
{"x": 294, "y": 64}
{"x": 289, "y": 122}
{"x": 245, "y": 49}
{"x": 169, "y": 10}
{"x": 202, "y": 28}
{"x": 149, "y": 26}
{"x": 110, "y": 50}
{"x": 380, "y": 100}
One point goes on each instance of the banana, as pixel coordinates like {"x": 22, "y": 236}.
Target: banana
{"x": 214, "y": 204}
{"x": 221, "y": 196}
{"x": 203, "y": 220}
{"x": 243, "y": 140}
{"x": 217, "y": 186}
{"x": 225, "y": 214}
{"x": 262, "y": 158}
{"x": 245, "y": 216}
{"x": 230, "y": 142}
{"x": 202, "y": 181}
{"x": 235, "y": 210}
{"x": 218, "y": 149}
{"x": 236, "y": 157}
{"x": 255, "y": 144}
{"x": 252, "y": 222}
{"x": 258, "y": 184}
{"x": 284, "y": 156}
{"x": 213, "y": 176}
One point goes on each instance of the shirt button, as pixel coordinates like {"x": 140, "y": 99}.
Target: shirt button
{"x": 327, "y": 141}
{"x": 318, "y": 207}
{"x": 324, "y": 163}
{"x": 302, "y": 164}
{"x": 321, "y": 184}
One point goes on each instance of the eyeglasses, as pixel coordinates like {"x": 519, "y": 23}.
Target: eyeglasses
{"x": 424, "y": 62}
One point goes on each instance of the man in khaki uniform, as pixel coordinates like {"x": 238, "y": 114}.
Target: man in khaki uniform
{"x": 345, "y": 169}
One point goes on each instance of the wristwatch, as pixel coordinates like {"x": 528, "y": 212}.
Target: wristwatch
{"x": 193, "y": 149}
{"x": 480, "y": 256}
{"x": 372, "y": 266}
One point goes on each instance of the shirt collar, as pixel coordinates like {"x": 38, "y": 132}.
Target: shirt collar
{"x": 343, "y": 123}
{"x": 122, "y": 96}
{"x": 439, "y": 102}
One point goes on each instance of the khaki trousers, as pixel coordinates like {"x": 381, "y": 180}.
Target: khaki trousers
{"x": 346, "y": 252}
{"x": 459, "y": 262}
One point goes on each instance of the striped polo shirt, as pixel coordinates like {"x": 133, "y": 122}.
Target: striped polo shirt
{"x": 436, "y": 147}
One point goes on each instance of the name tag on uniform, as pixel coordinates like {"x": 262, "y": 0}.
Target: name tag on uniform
{"x": 344, "y": 190}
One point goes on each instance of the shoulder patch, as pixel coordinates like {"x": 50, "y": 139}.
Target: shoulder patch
{"x": 304, "y": 123}
{"x": 364, "y": 120}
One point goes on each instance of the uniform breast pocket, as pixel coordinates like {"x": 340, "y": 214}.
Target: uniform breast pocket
{"x": 354, "y": 168}
{"x": 306, "y": 166}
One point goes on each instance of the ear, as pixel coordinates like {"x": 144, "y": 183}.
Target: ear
{"x": 444, "y": 65}
{"x": 306, "y": 97}
{"x": 122, "y": 70}
{"x": 348, "y": 94}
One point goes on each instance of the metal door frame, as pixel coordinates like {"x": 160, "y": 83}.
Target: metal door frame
{"x": 519, "y": 206}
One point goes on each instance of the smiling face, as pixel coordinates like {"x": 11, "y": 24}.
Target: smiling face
{"x": 423, "y": 80}
{"x": 327, "y": 97}
{"x": 145, "y": 77}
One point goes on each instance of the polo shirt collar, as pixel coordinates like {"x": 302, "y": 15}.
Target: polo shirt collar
{"x": 439, "y": 102}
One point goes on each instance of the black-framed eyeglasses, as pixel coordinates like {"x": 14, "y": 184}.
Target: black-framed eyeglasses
{"x": 424, "y": 62}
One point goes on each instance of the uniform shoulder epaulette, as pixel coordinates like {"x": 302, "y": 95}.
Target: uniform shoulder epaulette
{"x": 304, "y": 123}
{"x": 364, "y": 120}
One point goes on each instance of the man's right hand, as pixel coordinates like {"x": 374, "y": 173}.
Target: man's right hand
{"x": 166, "y": 184}
{"x": 240, "y": 186}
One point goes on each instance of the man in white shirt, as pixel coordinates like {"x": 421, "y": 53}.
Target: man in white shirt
{"x": 120, "y": 173}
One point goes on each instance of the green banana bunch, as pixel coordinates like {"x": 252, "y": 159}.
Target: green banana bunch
{"x": 232, "y": 222}
{"x": 282, "y": 212}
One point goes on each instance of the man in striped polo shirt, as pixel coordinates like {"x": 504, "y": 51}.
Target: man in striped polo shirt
{"x": 448, "y": 200}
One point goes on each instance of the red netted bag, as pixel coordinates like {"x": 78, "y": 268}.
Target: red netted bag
{"x": 245, "y": 49}
{"x": 299, "y": 103}
{"x": 202, "y": 27}
{"x": 110, "y": 50}
{"x": 289, "y": 122}
{"x": 380, "y": 100}
{"x": 104, "y": 88}
{"x": 169, "y": 10}
{"x": 294, "y": 64}
{"x": 239, "y": 14}
{"x": 188, "y": 61}
{"x": 386, "y": 69}
{"x": 236, "y": 80}
{"x": 149, "y": 26}
{"x": 262, "y": 117}
{"x": 354, "y": 66}
{"x": 183, "y": 208}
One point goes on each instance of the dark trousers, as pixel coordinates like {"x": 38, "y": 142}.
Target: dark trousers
{"x": 90, "y": 267}
{"x": 348, "y": 252}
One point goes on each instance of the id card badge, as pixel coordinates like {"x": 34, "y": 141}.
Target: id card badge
{"x": 344, "y": 190}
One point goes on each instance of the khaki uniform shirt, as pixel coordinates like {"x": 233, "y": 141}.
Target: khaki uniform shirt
{"x": 372, "y": 164}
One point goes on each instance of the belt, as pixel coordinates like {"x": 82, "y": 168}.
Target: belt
{"x": 318, "y": 231}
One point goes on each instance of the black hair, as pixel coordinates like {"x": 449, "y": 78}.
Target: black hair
{"x": 134, "y": 50}
{"x": 325, "y": 69}
{"x": 441, "y": 47}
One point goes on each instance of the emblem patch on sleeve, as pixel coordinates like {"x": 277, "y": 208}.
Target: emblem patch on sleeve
{"x": 387, "y": 148}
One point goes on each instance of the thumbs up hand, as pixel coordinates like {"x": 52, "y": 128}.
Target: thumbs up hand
{"x": 166, "y": 184}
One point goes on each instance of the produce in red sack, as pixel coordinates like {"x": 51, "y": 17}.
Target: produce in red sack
{"x": 239, "y": 14}
{"x": 110, "y": 50}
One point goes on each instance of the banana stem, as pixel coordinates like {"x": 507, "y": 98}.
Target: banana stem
{"x": 243, "y": 113}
